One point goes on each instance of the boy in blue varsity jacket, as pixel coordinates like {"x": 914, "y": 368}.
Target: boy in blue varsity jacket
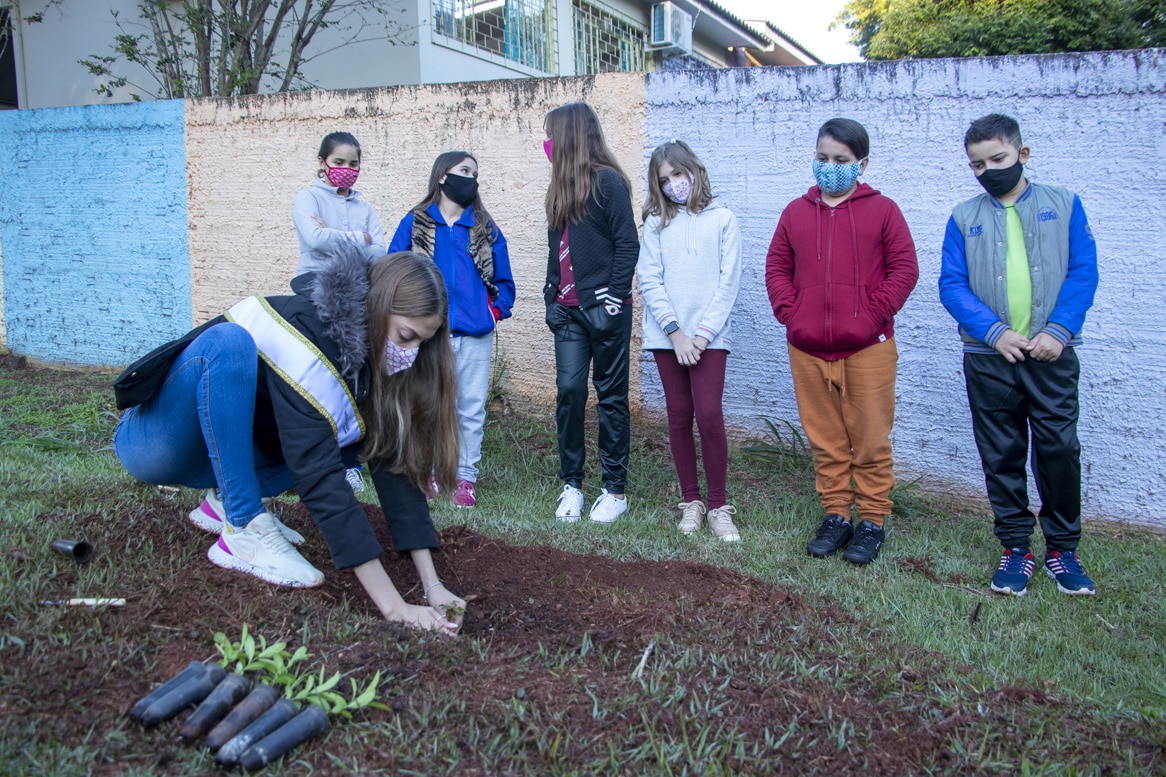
{"x": 1019, "y": 272}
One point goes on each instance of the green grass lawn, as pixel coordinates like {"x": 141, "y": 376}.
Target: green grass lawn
{"x": 922, "y": 615}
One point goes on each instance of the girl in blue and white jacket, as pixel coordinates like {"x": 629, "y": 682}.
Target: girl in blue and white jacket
{"x": 451, "y": 226}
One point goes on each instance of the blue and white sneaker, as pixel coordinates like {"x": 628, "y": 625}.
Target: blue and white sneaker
{"x": 1064, "y": 567}
{"x": 1014, "y": 572}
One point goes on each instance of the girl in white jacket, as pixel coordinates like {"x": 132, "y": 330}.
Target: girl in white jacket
{"x": 690, "y": 271}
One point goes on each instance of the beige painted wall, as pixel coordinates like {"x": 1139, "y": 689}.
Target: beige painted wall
{"x": 247, "y": 158}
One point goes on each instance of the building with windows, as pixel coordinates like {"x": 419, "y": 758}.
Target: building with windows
{"x": 417, "y": 42}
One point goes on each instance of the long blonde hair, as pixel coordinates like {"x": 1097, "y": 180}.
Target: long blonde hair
{"x": 579, "y": 153}
{"x": 411, "y": 416}
{"x": 681, "y": 157}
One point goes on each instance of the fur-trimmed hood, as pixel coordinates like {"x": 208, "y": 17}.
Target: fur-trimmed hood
{"x": 338, "y": 291}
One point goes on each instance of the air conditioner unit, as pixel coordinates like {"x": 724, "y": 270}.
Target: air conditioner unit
{"x": 671, "y": 28}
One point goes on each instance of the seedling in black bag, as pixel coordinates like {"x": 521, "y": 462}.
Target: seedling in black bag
{"x": 244, "y": 713}
{"x": 225, "y": 696}
{"x": 189, "y": 692}
{"x": 310, "y": 723}
{"x": 193, "y": 669}
{"x": 278, "y": 714}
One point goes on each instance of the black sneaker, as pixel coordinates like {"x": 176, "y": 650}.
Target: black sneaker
{"x": 864, "y": 548}
{"x": 831, "y": 536}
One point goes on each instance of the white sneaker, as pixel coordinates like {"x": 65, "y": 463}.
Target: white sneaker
{"x": 354, "y": 478}
{"x": 691, "y": 516}
{"x": 608, "y": 507}
{"x": 208, "y": 516}
{"x": 721, "y": 522}
{"x": 570, "y": 505}
{"x": 260, "y": 549}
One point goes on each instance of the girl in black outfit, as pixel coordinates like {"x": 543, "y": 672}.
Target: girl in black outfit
{"x": 593, "y": 248}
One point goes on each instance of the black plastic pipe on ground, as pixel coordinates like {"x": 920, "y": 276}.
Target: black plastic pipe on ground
{"x": 310, "y": 723}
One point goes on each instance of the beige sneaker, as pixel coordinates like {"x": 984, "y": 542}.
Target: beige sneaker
{"x": 721, "y": 522}
{"x": 691, "y": 516}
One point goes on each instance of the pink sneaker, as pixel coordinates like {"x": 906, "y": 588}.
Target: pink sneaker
{"x": 464, "y": 494}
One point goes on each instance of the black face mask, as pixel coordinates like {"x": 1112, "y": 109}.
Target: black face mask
{"x": 999, "y": 182}
{"x": 462, "y": 189}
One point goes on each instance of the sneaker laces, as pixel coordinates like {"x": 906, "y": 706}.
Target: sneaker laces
{"x": 354, "y": 478}
{"x": 722, "y": 515}
{"x": 274, "y": 540}
{"x": 828, "y": 528}
{"x": 1067, "y": 562}
{"x": 1015, "y": 562}
{"x": 865, "y": 537}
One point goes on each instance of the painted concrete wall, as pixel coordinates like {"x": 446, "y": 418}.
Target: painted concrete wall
{"x": 1095, "y": 123}
{"x": 97, "y": 221}
{"x": 94, "y": 228}
{"x": 248, "y": 157}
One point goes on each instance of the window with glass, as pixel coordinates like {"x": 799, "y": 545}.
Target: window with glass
{"x": 605, "y": 42}
{"x": 693, "y": 61}
{"x": 521, "y": 31}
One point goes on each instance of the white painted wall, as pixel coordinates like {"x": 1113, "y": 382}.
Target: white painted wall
{"x": 1096, "y": 124}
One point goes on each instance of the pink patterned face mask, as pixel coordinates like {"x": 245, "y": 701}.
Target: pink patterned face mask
{"x": 678, "y": 191}
{"x": 341, "y": 177}
{"x": 398, "y": 357}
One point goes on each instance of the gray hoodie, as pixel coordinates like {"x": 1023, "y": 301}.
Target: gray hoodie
{"x": 690, "y": 273}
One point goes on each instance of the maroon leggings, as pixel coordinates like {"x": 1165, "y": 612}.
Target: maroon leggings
{"x": 696, "y": 391}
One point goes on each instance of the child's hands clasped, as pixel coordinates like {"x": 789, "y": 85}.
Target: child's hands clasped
{"x": 1045, "y": 348}
{"x": 1012, "y": 346}
{"x": 687, "y": 349}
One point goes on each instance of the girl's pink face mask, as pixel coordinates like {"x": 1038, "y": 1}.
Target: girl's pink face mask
{"x": 341, "y": 177}
{"x": 549, "y": 147}
{"x": 398, "y": 358}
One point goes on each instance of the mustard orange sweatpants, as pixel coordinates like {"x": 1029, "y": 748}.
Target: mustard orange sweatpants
{"x": 847, "y": 409}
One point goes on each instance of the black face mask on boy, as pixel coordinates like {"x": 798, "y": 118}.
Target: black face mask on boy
{"x": 462, "y": 189}
{"x": 999, "y": 182}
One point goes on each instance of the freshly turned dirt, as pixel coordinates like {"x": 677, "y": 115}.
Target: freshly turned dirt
{"x": 534, "y": 606}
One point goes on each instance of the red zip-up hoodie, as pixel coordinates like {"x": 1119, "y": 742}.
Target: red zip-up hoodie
{"x": 837, "y": 276}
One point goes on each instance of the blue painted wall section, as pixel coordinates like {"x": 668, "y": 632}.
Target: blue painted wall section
{"x": 96, "y": 260}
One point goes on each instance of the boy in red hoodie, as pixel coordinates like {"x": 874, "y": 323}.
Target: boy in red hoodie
{"x": 840, "y": 266}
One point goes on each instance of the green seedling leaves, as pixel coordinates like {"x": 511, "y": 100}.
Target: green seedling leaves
{"x": 278, "y": 667}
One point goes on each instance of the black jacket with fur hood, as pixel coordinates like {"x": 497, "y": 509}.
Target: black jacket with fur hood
{"x": 328, "y": 309}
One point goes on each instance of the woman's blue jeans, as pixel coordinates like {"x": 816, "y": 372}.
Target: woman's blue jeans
{"x": 197, "y": 431}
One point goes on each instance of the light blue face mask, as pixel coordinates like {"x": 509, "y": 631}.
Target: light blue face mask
{"x": 834, "y": 178}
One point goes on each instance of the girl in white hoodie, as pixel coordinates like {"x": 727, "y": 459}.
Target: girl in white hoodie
{"x": 690, "y": 271}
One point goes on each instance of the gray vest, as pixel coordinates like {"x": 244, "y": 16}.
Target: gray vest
{"x": 1044, "y": 214}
